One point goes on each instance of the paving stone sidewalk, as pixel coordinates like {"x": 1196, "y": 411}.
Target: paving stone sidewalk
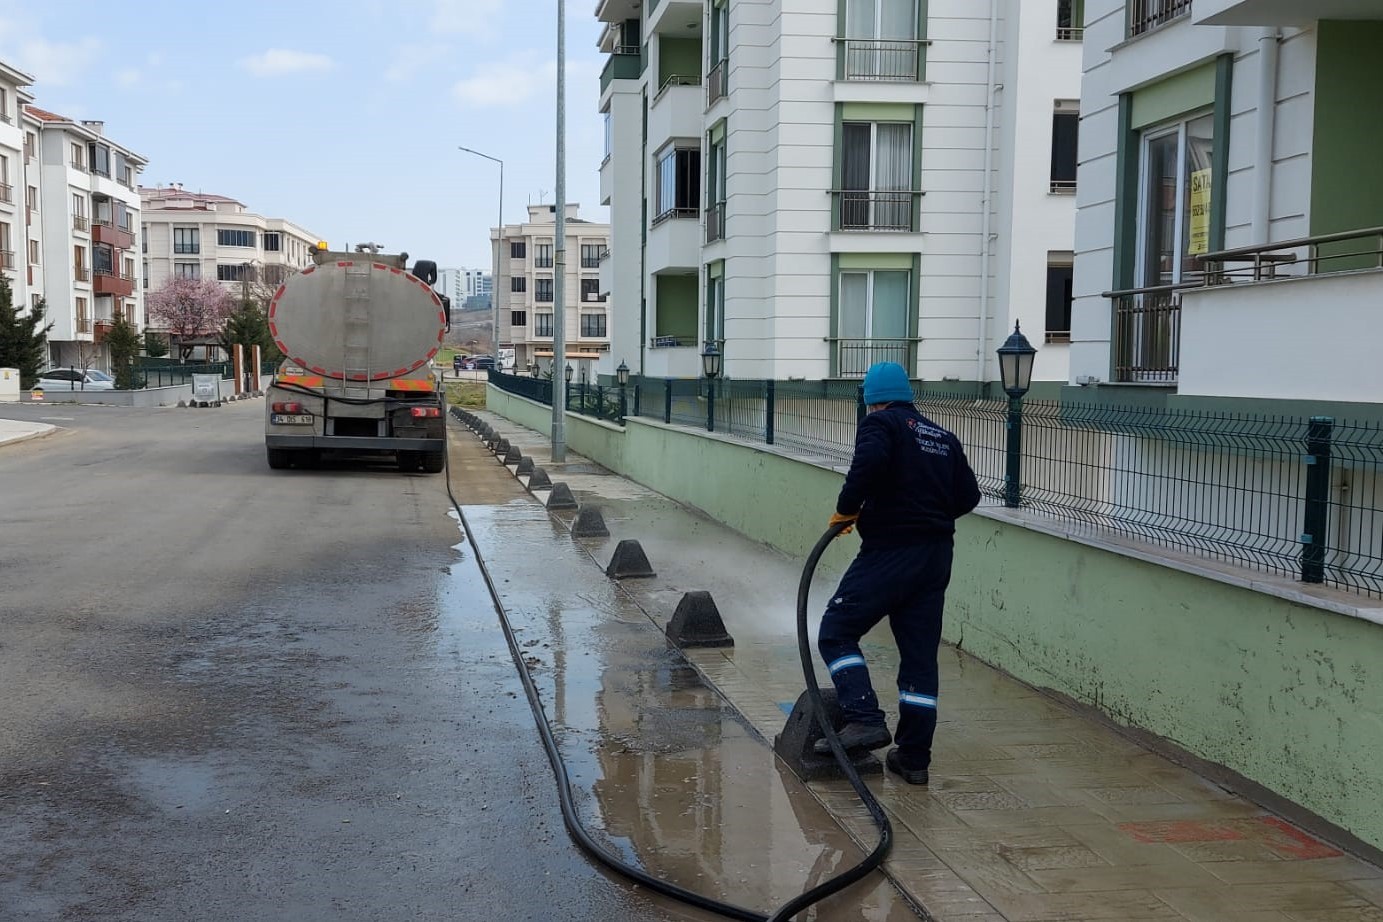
{"x": 1035, "y": 812}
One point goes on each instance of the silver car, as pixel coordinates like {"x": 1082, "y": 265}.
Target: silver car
{"x": 75, "y": 379}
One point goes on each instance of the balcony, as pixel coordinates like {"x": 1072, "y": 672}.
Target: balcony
{"x": 715, "y": 222}
{"x": 851, "y": 358}
{"x": 1276, "y": 13}
{"x": 7, "y": 259}
{"x": 674, "y": 241}
{"x": 1146, "y": 15}
{"x": 83, "y": 323}
{"x": 884, "y": 60}
{"x": 109, "y": 283}
{"x": 624, "y": 64}
{"x": 1147, "y": 335}
{"x": 79, "y": 166}
{"x": 717, "y": 83}
{"x": 861, "y": 210}
{"x": 79, "y": 222}
{"x": 6, "y": 193}
{"x": 103, "y": 232}
{"x": 676, "y": 112}
{"x": 680, "y": 18}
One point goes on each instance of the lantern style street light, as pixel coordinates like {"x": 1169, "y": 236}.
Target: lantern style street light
{"x": 622, "y": 378}
{"x": 710, "y": 364}
{"x": 1015, "y": 370}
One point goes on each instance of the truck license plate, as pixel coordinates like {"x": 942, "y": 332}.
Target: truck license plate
{"x": 291, "y": 419}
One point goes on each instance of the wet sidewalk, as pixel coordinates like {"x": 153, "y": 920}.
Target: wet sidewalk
{"x": 1035, "y": 812}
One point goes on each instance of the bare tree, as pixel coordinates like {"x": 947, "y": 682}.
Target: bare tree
{"x": 189, "y": 308}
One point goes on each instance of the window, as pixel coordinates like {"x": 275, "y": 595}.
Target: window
{"x": 79, "y": 212}
{"x": 518, "y": 283}
{"x": 715, "y": 308}
{"x": 83, "y": 318}
{"x": 100, "y": 159}
{"x": 1065, "y": 136}
{"x": 272, "y": 243}
{"x": 590, "y": 291}
{"x": 6, "y": 253}
{"x": 1144, "y": 15}
{"x": 187, "y": 240}
{"x": 518, "y": 249}
{"x": 593, "y": 325}
{"x": 1059, "y": 297}
{"x": 876, "y": 176}
{"x": 144, "y": 238}
{"x": 187, "y": 270}
{"x": 79, "y": 267}
{"x": 128, "y": 270}
{"x": 518, "y": 318}
{"x": 679, "y": 184}
{"x": 33, "y": 252}
{"x": 78, "y": 157}
{"x": 1175, "y": 199}
{"x": 715, "y": 191}
{"x": 542, "y": 324}
{"x": 542, "y": 290}
{"x": 4, "y": 169}
{"x": 234, "y": 237}
{"x": 1070, "y": 20}
{"x": 719, "y": 48}
{"x": 873, "y": 322}
{"x": 590, "y": 255}
{"x": 124, "y": 173}
{"x": 123, "y": 217}
{"x": 103, "y": 259}
{"x": 542, "y": 256}
{"x": 31, "y": 198}
{"x": 609, "y": 133}
{"x": 233, "y": 273}
{"x": 145, "y": 276}
{"x": 881, "y": 40}
{"x": 30, "y": 145}
{"x": 5, "y": 106}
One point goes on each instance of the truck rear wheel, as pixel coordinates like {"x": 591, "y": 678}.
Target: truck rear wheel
{"x": 434, "y": 461}
{"x": 279, "y": 458}
{"x": 410, "y": 461}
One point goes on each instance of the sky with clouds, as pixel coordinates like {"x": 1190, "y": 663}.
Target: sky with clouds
{"x": 342, "y": 116}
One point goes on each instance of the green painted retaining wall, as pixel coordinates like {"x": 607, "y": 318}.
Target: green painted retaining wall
{"x": 1285, "y": 694}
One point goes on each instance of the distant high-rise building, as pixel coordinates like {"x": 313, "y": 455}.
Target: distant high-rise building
{"x": 468, "y": 288}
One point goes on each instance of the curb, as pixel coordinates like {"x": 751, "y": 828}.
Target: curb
{"x": 28, "y": 436}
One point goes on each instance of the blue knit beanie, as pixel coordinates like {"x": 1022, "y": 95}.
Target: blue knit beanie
{"x": 886, "y": 382}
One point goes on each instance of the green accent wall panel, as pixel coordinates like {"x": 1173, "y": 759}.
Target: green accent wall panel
{"x": 678, "y": 56}
{"x": 1177, "y": 95}
{"x": 878, "y": 111}
{"x": 676, "y": 305}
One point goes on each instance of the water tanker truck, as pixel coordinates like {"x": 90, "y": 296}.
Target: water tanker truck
{"x": 358, "y": 332}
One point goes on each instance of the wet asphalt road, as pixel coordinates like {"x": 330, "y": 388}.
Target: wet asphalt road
{"x": 231, "y": 693}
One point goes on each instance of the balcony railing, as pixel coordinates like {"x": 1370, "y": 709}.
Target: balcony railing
{"x": 717, "y": 85}
{"x": 6, "y": 259}
{"x": 1063, "y": 187}
{"x": 672, "y": 342}
{"x": 1070, "y": 33}
{"x": 81, "y": 273}
{"x": 1146, "y": 15}
{"x": 6, "y": 193}
{"x": 592, "y": 297}
{"x": 678, "y": 80}
{"x": 78, "y": 165}
{"x": 1147, "y": 334}
{"x": 861, "y": 210}
{"x": 715, "y": 222}
{"x": 79, "y": 222}
{"x": 624, "y": 64}
{"x": 887, "y": 60}
{"x": 184, "y": 249}
{"x": 83, "y": 323}
{"x": 683, "y": 212}
{"x": 854, "y": 356}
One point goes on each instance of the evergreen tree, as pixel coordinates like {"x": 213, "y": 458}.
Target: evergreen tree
{"x": 124, "y": 344}
{"x": 248, "y": 326}
{"x": 155, "y": 346}
{"x": 23, "y": 340}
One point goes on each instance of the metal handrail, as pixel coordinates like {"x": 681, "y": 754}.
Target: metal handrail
{"x": 677, "y": 80}
{"x": 911, "y": 41}
{"x": 1296, "y": 243}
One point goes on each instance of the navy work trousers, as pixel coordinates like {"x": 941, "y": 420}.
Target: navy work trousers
{"x": 908, "y": 585}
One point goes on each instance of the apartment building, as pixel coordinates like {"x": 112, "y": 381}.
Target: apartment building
{"x": 72, "y": 242}
{"x": 524, "y": 291}
{"x": 818, "y": 185}
{"x": 1229, "y": 207}
{"x": 202, "y": 235}
{"x": 468, "y": 288}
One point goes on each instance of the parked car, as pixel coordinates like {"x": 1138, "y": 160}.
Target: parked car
{"x": 74, "y": 379}
{"x": 474, "y": 362}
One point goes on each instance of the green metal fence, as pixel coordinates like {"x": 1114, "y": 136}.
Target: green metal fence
{"x": 1300, "y": 497}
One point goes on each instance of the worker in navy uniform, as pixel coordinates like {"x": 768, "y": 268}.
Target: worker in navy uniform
{"x": 908, "y": 483}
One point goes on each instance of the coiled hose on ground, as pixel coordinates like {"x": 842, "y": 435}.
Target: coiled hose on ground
{"x": 593, "y": 848}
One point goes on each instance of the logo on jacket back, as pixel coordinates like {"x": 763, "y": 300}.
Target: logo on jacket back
{"x": 930, "y": 439}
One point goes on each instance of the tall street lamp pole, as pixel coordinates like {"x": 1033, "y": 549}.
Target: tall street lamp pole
{"x": 559, "y": 262}
{"x": 499, "y": 245}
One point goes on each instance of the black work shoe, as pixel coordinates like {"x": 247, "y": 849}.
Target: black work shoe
{"x": 857, "y": 736}
{"x": 894, "y": 761}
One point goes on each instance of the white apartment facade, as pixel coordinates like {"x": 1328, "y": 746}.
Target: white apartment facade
{"x": 804, "y": 182}
{"x": 524, "y": 290}
{"x": 1221, "y": 140}
{"x": 461, "y": 284}
{"x": 69, "y": 214}
{"x": 204, "y": 236}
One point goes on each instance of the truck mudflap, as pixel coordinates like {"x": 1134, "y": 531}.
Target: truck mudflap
{"x": 354, "y": 443}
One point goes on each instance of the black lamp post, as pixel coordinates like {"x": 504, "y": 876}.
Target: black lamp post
{"x": 622, "y": 377}
{"x": 533, "y": 368}
{"x": 710, "y": 364}
{"x": 566, "y": 388}
{"x": 1015, "y": 369}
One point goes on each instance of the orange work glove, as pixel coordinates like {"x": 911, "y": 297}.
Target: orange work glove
{"x": 847, "y": 520}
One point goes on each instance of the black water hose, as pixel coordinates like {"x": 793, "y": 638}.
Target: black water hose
{"x": 572, "y": 820}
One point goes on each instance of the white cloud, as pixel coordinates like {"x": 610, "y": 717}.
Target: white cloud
{"x": 519, "y": 79}
{"x": 465, "y": 17}
{"x": 278, "y": 61}
{"x": 54, "y": 63}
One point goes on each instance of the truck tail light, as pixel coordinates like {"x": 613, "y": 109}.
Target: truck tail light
{"x": 280, "y": 407}
{"x": 425, "y": 412}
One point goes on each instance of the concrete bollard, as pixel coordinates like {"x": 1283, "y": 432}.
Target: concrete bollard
{"x": 795, "y": 745}
{"x": 697, "y": 623}
{"x": 560, "y": 497}
{"x": 539, "y": 480}
{"x": 629, "y": 562}
{"x": 513, "y": 455}
{"x": 525, "y": 467}
{"x": 589, "y": 524}
{"x": 502, "y": 447}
